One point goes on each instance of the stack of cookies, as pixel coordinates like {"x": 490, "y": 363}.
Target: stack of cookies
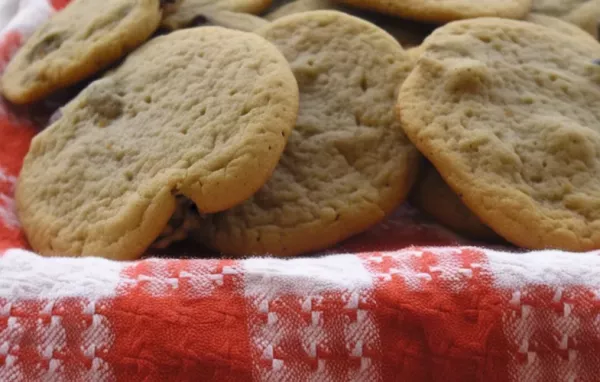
{"x": 288, "y": 133}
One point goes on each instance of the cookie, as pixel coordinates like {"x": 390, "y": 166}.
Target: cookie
{"x": 509, "y": 114}
{"x": 560, "y": 25}
{"x": 433, "y": 196}
{"x": 556, "y": 8}
{"x": 203, "y": 113}
{"x": 439, "y": 11}
{"x": 587, "y": 17}
{"x": 298, "y": 6}
{"x": 407, "y": 32}
{"x": 234, "y": 20}
{"x": 185, "y": 220}
{"x": 347, "y": 163}
{"x": 82, "y": 39}
{"x": 189, "y": 11}
{"x": 415, "y": 52}
{"x": 583, "y": 13}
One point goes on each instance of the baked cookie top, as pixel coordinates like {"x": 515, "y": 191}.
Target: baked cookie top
{"x": 82, "y": 39}
{"x": 446, "y": 10}
{"x": 204, "y": 113}
{"x": 509, "y": 114}
{"x": 347, "y": 163}
{"x": 187, "y": 12}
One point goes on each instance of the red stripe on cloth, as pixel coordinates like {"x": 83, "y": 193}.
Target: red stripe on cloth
{"x": 19, "y": 356}
{"x": 53, "y": 340}
{"x": 439, "y": 316}
{"x": 16, "y": 138}
{"x": 59, "y": 4}
{"x": 14, "y": 144}
{"x": 16, "y": 135}
{"x": 11, "y": 238}
{"x": 553, "y": 333}
{"x": 307, "y": 322}
{"x": 10, "y": 43}
{"x": 180, "y": 321}
{"x": 313, "y": 341}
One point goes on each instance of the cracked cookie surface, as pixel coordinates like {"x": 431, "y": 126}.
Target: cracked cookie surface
{"x": 81, "y": 40}
{"x": 509, "y": 114}
{"x": 204, "y": 113}
{"x": 347, "y": 163}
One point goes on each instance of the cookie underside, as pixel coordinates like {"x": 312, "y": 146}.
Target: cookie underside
{"x": 440, "y": 11}
{"x": 434, "y": 197}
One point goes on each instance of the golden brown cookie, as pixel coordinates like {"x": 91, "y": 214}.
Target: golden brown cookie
{"x": 509, "y": 114}
{"x": 82, "y": 39}
{"x": 203, "y": 113}
{"x": 556, "y": 8}
{"x": 439, "y": 11}
{"x": 587, "y": 17}
{"x": 583, "y": 13}
{"x": 188, "y": 11}
{"x": 298, "y": 6}
{"x": 234, "y": 20}
{"x": 433, "y": 196}
{"x": 415, "y": 52}
{"x": 560, "y": 25}
{"x": 407, "y": 32}
{"x": 347, "y": 163}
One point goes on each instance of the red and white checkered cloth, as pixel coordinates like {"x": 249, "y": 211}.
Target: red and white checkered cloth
{"x": 404, "y": 301}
